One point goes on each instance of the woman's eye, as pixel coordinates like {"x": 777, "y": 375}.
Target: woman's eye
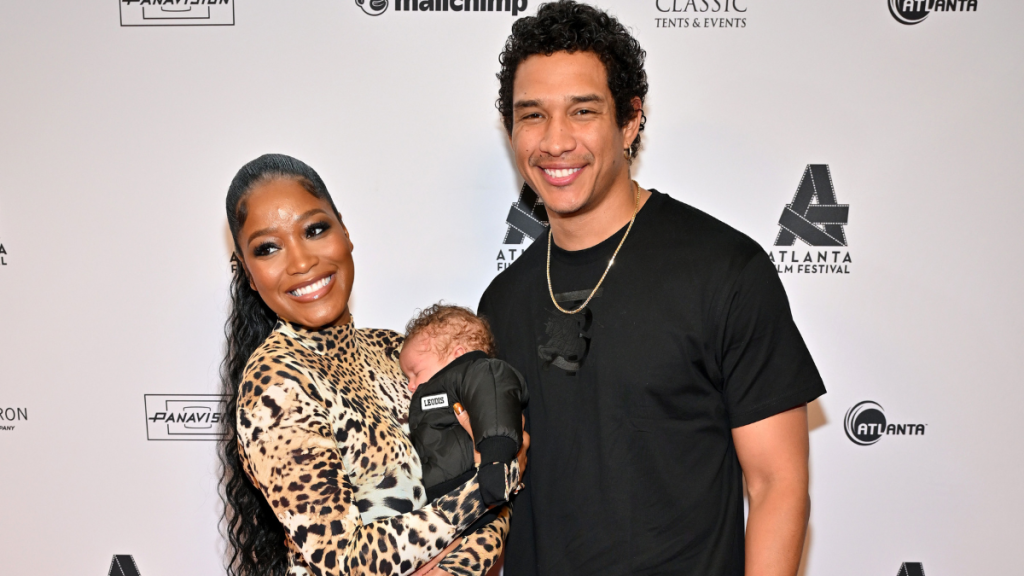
{"x": 265, "y": 249}
{"x": 314, "y": 230}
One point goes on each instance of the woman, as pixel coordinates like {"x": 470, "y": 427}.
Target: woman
{"x": 320, "y": 476}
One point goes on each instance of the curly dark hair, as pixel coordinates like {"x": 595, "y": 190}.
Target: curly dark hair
{"x": 571, "y": 27}
{"x": 256, "y": 539}
{"x": 449, "y": 325}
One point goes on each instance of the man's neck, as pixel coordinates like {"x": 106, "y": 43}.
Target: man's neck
{"x": 592, "y": 225}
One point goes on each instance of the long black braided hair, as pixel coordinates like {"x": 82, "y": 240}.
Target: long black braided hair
{"x": 256, "y": 539}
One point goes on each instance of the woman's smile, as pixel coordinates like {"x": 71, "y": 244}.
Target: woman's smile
{"x": 312, "y": 290}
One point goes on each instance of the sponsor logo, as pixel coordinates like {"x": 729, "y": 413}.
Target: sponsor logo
{"x": 817, "y": 220}
{"x": 184, "y": 416}
{"x": 696, "y": 14}
{"x": 434, "y": 402}
{"x": 123, "y": 565}
{"x": 378, "y": 7}
{"x": 865, "y": 424}
{"x": 373, "y": 7}
{"x": 911, "y": 569}
{"x": 3, "y": 255}
{"x": 912, "y": 12}
{"x": 527, "y": 218}
{"x": 9, "y": 416}
{"x": 177, "y": 12}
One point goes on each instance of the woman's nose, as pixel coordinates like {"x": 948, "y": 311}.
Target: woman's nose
{"x": 301, "y": 260}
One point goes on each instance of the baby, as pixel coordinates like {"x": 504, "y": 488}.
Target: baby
{"x": 447, "y": 357}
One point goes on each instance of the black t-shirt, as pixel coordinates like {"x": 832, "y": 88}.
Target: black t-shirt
{"x": 632, "y": 468}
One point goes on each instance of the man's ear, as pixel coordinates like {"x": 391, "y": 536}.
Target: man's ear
{"x": 459, "y": 351}
{"x": 632, "y": 127}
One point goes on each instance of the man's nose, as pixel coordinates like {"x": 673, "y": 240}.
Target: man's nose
{"x": 558, "y": 137}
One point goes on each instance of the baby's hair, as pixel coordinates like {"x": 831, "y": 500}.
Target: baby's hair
{"x": 452, "y": 325}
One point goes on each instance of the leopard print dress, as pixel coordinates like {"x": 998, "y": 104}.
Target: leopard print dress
{"x": 323, "y": 433}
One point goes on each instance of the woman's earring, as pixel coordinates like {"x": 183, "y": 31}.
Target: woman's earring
{"x": 626, "y": 154}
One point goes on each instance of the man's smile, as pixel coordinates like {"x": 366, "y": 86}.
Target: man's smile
{"x": 561, "y": 176}
{"x": 561, "y": 173}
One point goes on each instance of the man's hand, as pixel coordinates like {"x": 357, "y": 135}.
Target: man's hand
{"x": 773, "y": 455}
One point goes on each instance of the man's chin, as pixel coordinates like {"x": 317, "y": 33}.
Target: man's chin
{"x": 564, "y": 212}
{"x": 562, "y": 202}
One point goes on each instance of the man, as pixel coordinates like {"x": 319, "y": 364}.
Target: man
{"x": 658, "y": 384}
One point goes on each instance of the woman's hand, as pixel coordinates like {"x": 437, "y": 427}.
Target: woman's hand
{"x": 430, "y": 568}
{"x": 463, "y": 417}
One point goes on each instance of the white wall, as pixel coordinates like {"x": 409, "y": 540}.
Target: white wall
{"x": 117, "y": 145}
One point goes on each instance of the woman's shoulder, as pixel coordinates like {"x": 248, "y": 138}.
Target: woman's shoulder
{"x": 279, "y": 361}
{"x": 277, "y": 348}
{"x": 386, "y": 342}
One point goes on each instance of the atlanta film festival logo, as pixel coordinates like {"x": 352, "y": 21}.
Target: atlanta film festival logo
{"x": 817, "y": 220}
{"x": 184, "y": 416}
{"x": 526, "y": 219}
{"x": 912, "y": 12}
{"x": 123, "y": 565}
{"x": 378, "y": 7}
{"x": 177, "y": 12}
{"x": 865, "y": 424}
{"x": 697, "y": 14}
{"x": 911, "y": 569}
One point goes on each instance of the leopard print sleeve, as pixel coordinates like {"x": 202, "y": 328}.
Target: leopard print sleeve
{"x": 479, "y": 550}
{"x": 295, "y": 462}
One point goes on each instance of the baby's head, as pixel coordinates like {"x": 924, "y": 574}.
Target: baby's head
{"x": 438, "y": 335}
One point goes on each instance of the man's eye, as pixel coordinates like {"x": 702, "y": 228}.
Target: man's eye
{"x": 265, "y": 249}
{"x": 316, "y": 229}
{"x": 530, "y": 116}
{"x": 584, "y": 111}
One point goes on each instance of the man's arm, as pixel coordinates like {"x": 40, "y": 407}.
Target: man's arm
{"x": 773, "y": 455}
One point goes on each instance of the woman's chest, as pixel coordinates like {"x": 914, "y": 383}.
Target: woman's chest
{"x": 368, "y": 409}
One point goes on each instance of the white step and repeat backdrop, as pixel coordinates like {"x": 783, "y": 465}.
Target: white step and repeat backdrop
{"x": 121, "y": 126}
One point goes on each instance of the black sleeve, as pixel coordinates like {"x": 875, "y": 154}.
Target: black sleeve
{"x": 486, "y": 311}
{"x": 494, "y": 393}
{"x": 766, "y": 366}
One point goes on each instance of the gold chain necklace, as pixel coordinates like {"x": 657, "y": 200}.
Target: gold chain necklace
{"x": 551, "y": 291}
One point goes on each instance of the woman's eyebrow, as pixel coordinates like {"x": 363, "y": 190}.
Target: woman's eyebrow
{"x": 272, "y": 229}
{"x": 309, "y": 213}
